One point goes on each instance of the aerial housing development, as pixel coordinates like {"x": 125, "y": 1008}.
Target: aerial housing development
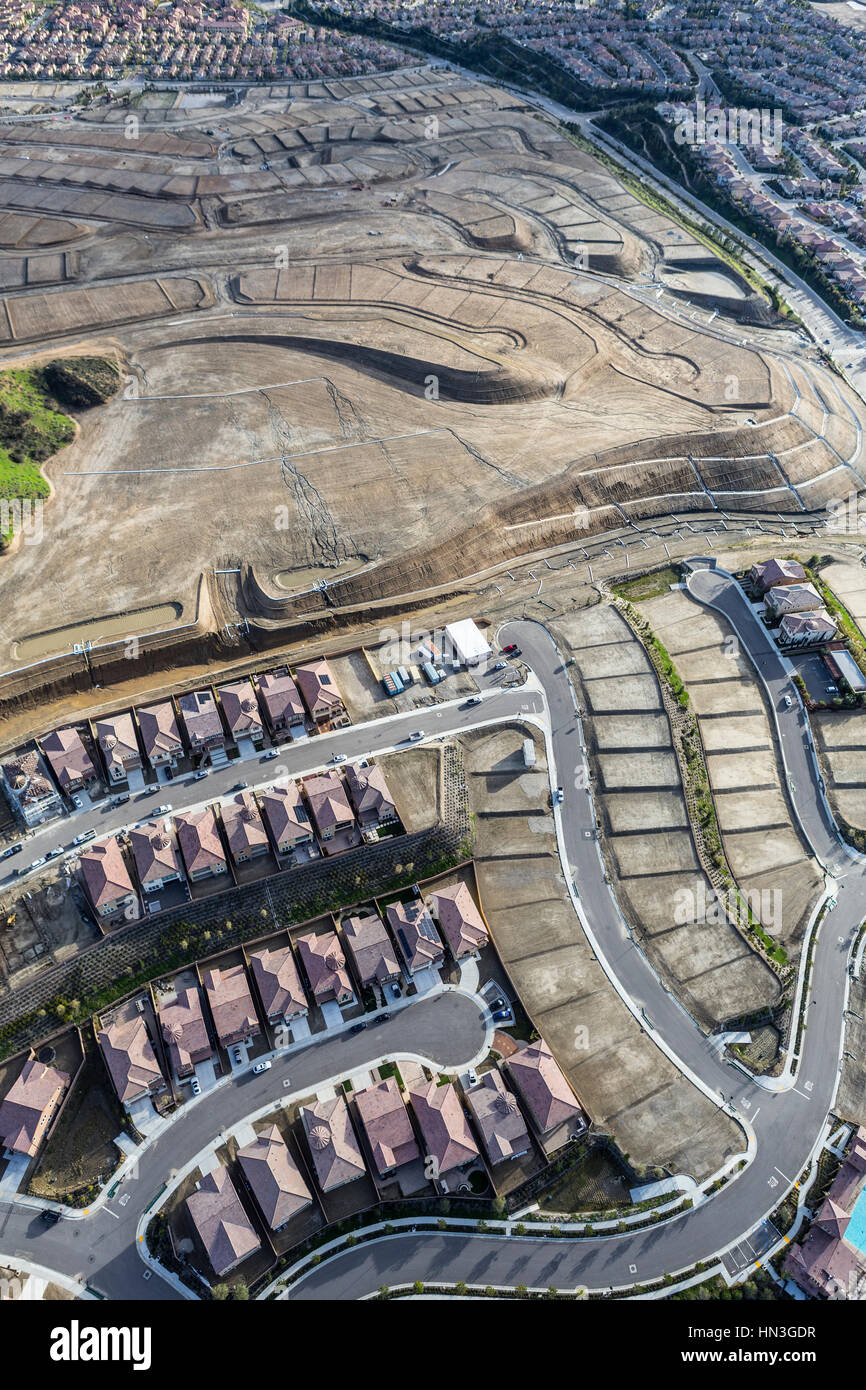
{"x": 433, "y": 668}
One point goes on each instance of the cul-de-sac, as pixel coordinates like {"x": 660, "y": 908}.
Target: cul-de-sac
{"x": 433, "y": 652}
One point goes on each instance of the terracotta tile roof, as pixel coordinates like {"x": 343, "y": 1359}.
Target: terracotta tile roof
{"x": 325, "y": 964}
{"x": 443, "y": 1124}
{"x": 231, "y": 1002}
{"x": 286, "y": 814}
{"x": 243, "y": 824}
{"x": 29, "y": 1105}
{"x": 115, "y": 735}
{"x": 282, "y": 697}
{"x": 28, "y": 777}
{"x": 459, "y": 919}
{"x": 274, "y": 1177}
{"x": 315, "y": 680}
{"x": 68, "y": 757}
{"x": 542, "y": 1085}
{"x": 105, "y": 874}
{"x": 184, "y": 1029}
{"x": 416, "y": 935}
{"x": 387, "y": 1125}
{"x": 224, "y": 1228}
{"x": 199, "y": 840}
{"x": 369, "y": 791}
{"x": 329, "y": 804}
{"x": 200, "y": 715}
{"x": 370, "y": 947}
{"x": 159, "y": 732}
{"x": 334, "y": 1148}
{"x": 154, "y": 852}
{"x": 130, "y": 1057}
{"x": 278, "y": 981}
{"x": 240, "y": 707}
{"x": 503, "y": 1128}
{"x": 771, "y": 572}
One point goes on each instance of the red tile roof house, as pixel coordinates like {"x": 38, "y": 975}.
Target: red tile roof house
{"x": 115, "y": 735}
{"x": 29, "y": 1106}
{"x": 279, "y": 984}
{"x": 224, "y": 1228}
{"x": 325, "y": 966}
{"x": 282, "y": 701}
{"x": 825, "y": 1265}
{"x": 416, "y": 935}
{"x": 459, "y": 920}
{"x": 200, "y": 844}
{"x": 370, "y": 795}
{"x": 202, "y": 721}
{"x": 287, "y": 817}
{"x": 185, "y": 1032}
{"x": 160, "y": 735}
{"x": 106, "y": 881}
{"x": 231, "y": 1004}
{"x": 29, "y": 788}
{"x": 444, "y": 1126}
{"x": 330, "y": 810}
{"x": 131, "y": 1060}
{"x": 316, "y": 683}
{"x": 241, "y": 711}
{"x": 543, "y": 1087}
{"x": 69, "y": 759}
{"x": 497, "y": 1115}
{"x": 337, "y": 1157}
{"x": 156, "y": 859}
{"x": 274, "y": 1178}
{"x": 387, "y": 1126}
{"x": 242, "y": 823}
{"x": 371, "y": 949}
{"x": 771, "y": 573}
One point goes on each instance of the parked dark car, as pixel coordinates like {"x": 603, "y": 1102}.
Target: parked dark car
{"x": 358, "y": 1028}
{"x": 501, "y": 1015}
{"x": 51, "y": 1218}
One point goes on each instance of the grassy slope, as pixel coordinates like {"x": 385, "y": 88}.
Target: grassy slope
{"x": 33, "y": 427}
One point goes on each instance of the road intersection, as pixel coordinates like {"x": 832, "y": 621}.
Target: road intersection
{"x": 782, "y": 1128}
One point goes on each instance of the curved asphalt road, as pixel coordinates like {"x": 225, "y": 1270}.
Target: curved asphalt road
{"x": 786, "y": 1124}
{"x": 101, "y": 1247}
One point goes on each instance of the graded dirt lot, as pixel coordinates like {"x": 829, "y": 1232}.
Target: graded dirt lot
{"x": 627, "y": 1085}
{"x": 762, "y": 841}
{"x": 644, "y": 824}
{"x": 361, "y": 353}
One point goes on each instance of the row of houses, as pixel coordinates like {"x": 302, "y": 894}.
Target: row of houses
{"x": 792, "y": 605}
{"x": 325, "y": 813}
{"x": 201, "y": 725}
{"x": 288, "y": 982}
{"x": 493, "y": 1118}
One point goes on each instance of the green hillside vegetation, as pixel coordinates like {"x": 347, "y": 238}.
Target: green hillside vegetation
{"x": 33, "y": 425}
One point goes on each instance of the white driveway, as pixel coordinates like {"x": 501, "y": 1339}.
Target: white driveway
{"x": 13, "y": 1175}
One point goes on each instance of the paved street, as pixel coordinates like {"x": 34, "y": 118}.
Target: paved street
{"x": 786, "y": 1123}
{"x": 295, "y": 760}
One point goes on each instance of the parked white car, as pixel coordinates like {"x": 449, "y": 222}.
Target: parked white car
{"x": 261, "y": 1066}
